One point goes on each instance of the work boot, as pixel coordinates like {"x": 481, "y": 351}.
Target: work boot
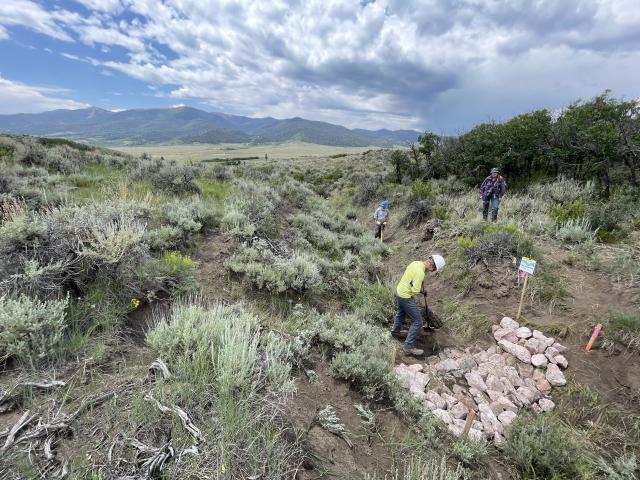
{"x": 402, "y": 334}
{"x": 416, "y": 352}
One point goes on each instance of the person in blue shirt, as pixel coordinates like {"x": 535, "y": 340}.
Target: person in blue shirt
{"x": 381, "y": 216}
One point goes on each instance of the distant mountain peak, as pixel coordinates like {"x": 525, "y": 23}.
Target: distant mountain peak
{"x": 182, "y": 124}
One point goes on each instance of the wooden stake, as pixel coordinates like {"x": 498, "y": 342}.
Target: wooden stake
{"x": 594, "y": 335}
{"x": 467, "y": 426}
{"x": 524, "y": 288}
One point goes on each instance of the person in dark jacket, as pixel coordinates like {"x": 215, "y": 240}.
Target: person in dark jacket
{"x": 492, "y": 190}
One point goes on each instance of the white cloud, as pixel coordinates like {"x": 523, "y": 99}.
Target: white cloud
{"x": 390, "y": 63}
{"x": 18, "y": 97}
{"x": 4, "y": 35}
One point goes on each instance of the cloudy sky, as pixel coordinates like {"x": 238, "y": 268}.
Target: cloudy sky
{"x": 443, "y": 65}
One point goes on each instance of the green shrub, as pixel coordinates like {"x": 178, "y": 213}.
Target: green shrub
{"x": 251, "y": 210}
{"x": 431, "y": 468}
{"x": 509, "y": 228}
{"x": 417, "y": 212}
{"x": 463, "y": 321}
{"x": 441, "y": 212}
{"x": 563, "y": 190}
{"x": 422, "y": 190}
{"x": 374, "y": 302}
{"x": 173, "y": 271}
{"x": 471, "y": 453}
{"x": 501, "y": 244}
{"x": 575, "y": 231}
{"x": 31, "y": 329}
{"x": 566, "y": 211}
{"x": 544, "y": 447}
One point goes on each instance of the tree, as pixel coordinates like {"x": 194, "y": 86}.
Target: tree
{"x": 428, "y": 145}
{"x": 401, "y": 164}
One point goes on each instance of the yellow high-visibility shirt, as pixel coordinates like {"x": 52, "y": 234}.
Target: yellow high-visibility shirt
{"x": 411, "y": 282}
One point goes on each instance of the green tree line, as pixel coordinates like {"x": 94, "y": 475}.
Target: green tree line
{"x": 595, "y": 140}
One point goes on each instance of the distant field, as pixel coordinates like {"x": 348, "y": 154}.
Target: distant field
{"x": 200, "y": 152}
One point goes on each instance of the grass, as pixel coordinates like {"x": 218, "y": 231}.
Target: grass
{"x": 625, "y": 328}
{"x": 463, "y": 320}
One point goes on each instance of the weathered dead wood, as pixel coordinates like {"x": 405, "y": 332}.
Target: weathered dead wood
{"x": 159, "y": 456}
{"x": 24, "y": 420}
{"x": 10, "y": 399}
{"x": 158, "y": 367}
{"x": 184, "y": 418}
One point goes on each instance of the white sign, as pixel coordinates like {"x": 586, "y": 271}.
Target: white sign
{"x": 527, "y": 265}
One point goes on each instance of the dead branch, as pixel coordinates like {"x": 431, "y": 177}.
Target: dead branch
{"x": 24, "y": 420}
{"x": 184, "y": 418}
{"x": 158, "y": 367}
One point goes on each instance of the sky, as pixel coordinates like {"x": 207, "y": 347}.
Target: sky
{"x": 439, "y": 65}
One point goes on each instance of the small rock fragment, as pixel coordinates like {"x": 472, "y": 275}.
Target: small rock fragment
{"x": 523, "y": 332}
{"x": 555, "y": 376}
{"x": 447, "y": 365}
{"x": 443, "y": 415}
{"x": 560, "y": 348}
{"x": 493, "y": 383}
{"x": 525, "y": 370}
{"x": 518, "y": 351}
{"x": 507, "y": 404}
{"x": 551, "y": 354}
{"x": 543, "y": 386}
{"x": 546, "y": 405}
{"x": 416, "y": 367}
{"x": 510, "y": 323}
{"x": 511, "y": 374}
{"x": 475, "y": 380}
{"x": 525, "y": 395}
{"x": 458, "y": 411}
{"x": 436, "y": 399}
{"x": 507, "y": 417}
{"x": 505, "y": 334}
{"x": 539, "y": 360}
{"x": 561, "y": 360}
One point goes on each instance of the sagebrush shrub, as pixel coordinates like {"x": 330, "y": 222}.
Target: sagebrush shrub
{"x": 31, "y": 329}
{"x": 575, "y": 231}
{"x": 565, "y": 211}
{"x": 418, "y": 211}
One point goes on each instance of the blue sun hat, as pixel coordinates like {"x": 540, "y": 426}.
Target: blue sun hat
{"x": 384, "y": 203}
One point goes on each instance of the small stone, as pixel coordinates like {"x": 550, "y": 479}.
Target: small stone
{"x": 539, "y": 360}
{"x": 475, "y": 380}
{"x": 429, "y": 405}
{"x": 447, "y": 365}
{"x": 543, "y": 386}
{"x": 494, "y": 383}
{"x": 419, "y": 394}
{"x": 562, "y": 361}
{"x": 506, "y": 418}
{"x": 436, "y": 399}
{"x": 525, "y": 395}
{"x": 546, "y": 405}
{"x": 535, "y": 346}
{"x": 449, "y": 399}
{"x": 507, "y": 404}
{"x": 538, "y": 374}
{"x": 551, "y": 353}
{"x": 511, "y": 374}
{"x": 458, "y": 410}
{"x": 456, "y": 429}
{"x": 522, "y": 342}
{"x": 549, "y": 341}
{"x": 433, "y": 359}
{"x": 496, "y": 407}
{"x": 560, "y": 348}
{"x": 506, "y": 334}
{"x": 488, "y": 417}
{"x": 493, "y": 349}
{"x": 481, "y": 357}
{"x": 458, "y": 389}
{"x": 416, "y": 367}
{"x": 555, "y": 376}
{"x": 538, "y": 334}
{"x": 495, "y": 327}
{"x": 518, "y": 351}
{"x": 509, "y": 360}
{"x": 525, "y": 370}
{"x": 510, "y": 323}
{"x": 475, "y": 435}
{"x": 535, "y": 408}
{"x": 467, "y": 362}
{"x": 523, "y": 332}
{"x": 496, "y": 358}
{"x": 443, "y": 415}
{"x": 498, "y": 439}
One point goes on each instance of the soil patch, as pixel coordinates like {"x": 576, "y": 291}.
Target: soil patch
{"x": 214, "y": 249}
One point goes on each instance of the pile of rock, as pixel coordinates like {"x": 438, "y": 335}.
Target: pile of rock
{"x": 496, "y": 382}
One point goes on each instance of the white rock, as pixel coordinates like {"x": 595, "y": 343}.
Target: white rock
{"x": 523, "y": 332}
{"x": 458, "y": 411}
{"x": 436, "y": 399}
{"x": 551, "y": 354}
{"x": 539, "y": 360}
{"x": 494, "y": 395}
{"x": 495, "y": 327}
{"x": 498, "y": 439}
{"x": 526, "y": 395}
{"x": 419, "y": 394}
{"x": 494, "y": 383}
{"x": 443, "y": 415}
{"x": 429, "y": 405}
{"x": 509, "y": 360}
{"x": 475, "y": 435}
{"x": 432, "y": 360}
{"x": 546, "y": 405}
{"x": 496, "y": 359}
{"x": 478, "y": 396}
{"x": 488, "y": 417}
{"x": 506, "y": 334}
{"x": 525, "y": 370}
{"x": 555, "y": 376}
{"x": 535, "y": 346}
{"x": 506, "y": 418}
{"x": 508, "y": 322}
{"x": 511, "y": 374}
{"x": 455, "y": 429}
{"x": 562, "y": 361}
{"x": 467, "y": 362}
{"x": 538, "y": 334}
{"x": 496, "y": 408}
{"x": 475, "y": 380}
{"x": 416, "y": 367}
{"x": 538, "y": 374}
{"x": 559, "y": 348}
{"x": 507, "y": 404}
{"x": 518, "y": 351}
{"x": 535, "y": 408}
{"x": 458, "y": 389}
{"x": 543, "y": 386}
{"x": 482, "y": 356}
{"x": 447, "y": 365}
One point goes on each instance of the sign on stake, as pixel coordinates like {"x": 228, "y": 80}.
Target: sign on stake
{"x": 527, "y": 267}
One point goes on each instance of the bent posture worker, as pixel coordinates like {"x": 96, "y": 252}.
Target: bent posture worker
{"x": 410, "y": 286}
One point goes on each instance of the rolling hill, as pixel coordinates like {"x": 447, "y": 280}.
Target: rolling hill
{"x": 190, "y": 125}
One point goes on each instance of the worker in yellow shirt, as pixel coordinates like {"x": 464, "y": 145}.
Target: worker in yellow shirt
{"x": 409, "y": 287}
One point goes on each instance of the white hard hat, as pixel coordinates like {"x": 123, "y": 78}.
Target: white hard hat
{"x": 438, "y": 261}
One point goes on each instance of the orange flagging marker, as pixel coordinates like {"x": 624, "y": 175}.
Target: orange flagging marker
{"x": 594, "y": 335}
{"x": 470, "y": 416}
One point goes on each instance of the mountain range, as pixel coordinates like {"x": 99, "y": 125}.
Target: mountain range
{"x": 190, "y": 125}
